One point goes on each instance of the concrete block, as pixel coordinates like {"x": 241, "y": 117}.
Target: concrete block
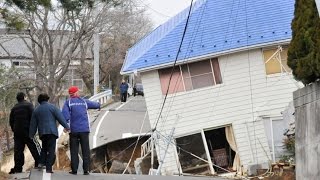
{"x": 317, "y": 85}
{"x": 314, "y": 87}
{"x": 300, "y": 101}
{"x": 300, "y": 124}
{"x": 296, "y": 94}
{"x": 317, "y": 118}
{"x": 252, "y": 169}
{"x": 307, "y": 115}
{"x": 295, "y": 102}
{"x": 311, "y": 121}
{"x": 303, "y": 91}
{"x": 314, "y": 96}
{"x": 308, "y": 98}
{"x": 318, "y": 93}
{"x": 305, "y": 100}
{"x": 312, "y": 161}
{"x": 309, "y": 88}
{"x": 301, "y": 162}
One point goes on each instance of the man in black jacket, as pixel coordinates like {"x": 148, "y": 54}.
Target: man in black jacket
{"x": 20, "y": 117}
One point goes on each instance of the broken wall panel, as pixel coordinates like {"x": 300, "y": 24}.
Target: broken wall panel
{"x": 189, "y": 163}
{"x": 98, "y": 160}
{"x": 114, "y": 157}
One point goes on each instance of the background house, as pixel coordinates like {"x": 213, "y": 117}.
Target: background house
{"x": 14, "y": 52}
{"x": 230, "y": 83}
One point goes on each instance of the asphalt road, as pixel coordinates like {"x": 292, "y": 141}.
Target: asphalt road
{"x": 118, "y": 121}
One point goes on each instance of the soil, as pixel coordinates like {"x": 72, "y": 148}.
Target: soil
{"x": 287, "y": 174}
{"x": 63, "y": 162}
{"x": 4, "y": 175}
{"x": 8, "y": 162}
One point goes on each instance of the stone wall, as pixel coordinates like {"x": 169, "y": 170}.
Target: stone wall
{"x": 307, "y": 115}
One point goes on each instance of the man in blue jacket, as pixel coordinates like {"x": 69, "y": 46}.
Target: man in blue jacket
{"x": 44, "y": 118}
{"x": 75, "y": 112}
{"x": 124, "y": 91}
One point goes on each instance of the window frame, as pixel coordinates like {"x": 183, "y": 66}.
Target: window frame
{"x": 189, "y": 76}
{"x": 280, "y": 62}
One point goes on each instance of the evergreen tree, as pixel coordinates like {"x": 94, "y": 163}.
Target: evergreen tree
{"x": 304, "y": 49}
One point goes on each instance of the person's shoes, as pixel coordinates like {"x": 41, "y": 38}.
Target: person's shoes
{"x": 40, "y": 166}
{"x": 73, "y": 172}
{"x": 49, "y": 171}
{"x": 86, "y": 173}
{"x": 13, "y": 171}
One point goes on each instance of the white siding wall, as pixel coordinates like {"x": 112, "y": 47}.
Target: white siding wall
{"x": 239, "y": 100}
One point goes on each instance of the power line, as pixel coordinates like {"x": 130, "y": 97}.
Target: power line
{"x": 156, "y": 11}
{"x": 191, "y": 43}
{"x": 174, "y": 65}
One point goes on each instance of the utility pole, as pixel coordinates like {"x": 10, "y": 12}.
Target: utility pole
{"x": 96, "y": 54}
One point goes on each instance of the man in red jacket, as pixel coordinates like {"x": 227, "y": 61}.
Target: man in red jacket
{"x": 75, "y": 112}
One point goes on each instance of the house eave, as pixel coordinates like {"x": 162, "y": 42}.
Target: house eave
{"x": 212, "y": 55}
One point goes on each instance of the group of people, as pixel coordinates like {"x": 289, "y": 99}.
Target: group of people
{"x": 25, "y": 121}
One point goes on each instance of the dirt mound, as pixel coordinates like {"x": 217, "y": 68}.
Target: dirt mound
{"x": 4, "y": 175}
{"x": 62, "y": 161}
{"x": 8, "y": 161}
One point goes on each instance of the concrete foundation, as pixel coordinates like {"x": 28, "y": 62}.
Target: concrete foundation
{"x": 307, "y": 115}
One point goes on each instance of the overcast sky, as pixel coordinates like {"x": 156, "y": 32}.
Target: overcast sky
{"x": 161, "y": 10}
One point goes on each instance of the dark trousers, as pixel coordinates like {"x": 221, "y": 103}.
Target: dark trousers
{"x": 48, "y": 155}
{"x": 19, "y": 145}
{"x": 124, "y": 96}
{"x": 83, "y": 139}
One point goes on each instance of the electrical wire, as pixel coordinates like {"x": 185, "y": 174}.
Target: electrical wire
{"x": 168, "y": 84}
{"x": 134, "y": 149}
{"x": 190, "y": 153}
{"x": 117, "y": 155}
{"x": 251, "y": 92}
{"x": 147, "y": 6}
{"x": 249, "y": 75}
{"x": 179, "y": 79}
{"x": 174, "y": 96}
{"x": 174, "y": 65}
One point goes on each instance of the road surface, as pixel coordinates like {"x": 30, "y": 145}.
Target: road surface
{"x": 119, "y": 121}
{"x": 59, "y": 175}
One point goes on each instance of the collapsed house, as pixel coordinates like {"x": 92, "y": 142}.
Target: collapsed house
{"x": 230, "y": 78}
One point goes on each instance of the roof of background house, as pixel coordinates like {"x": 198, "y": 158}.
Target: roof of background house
{"x": 12, "y": 45}
{"x": 214, "y": 26}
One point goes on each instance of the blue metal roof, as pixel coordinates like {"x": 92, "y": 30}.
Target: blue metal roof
{"x": 214, "y": 26}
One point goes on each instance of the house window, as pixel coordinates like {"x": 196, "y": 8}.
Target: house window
{"x": 276, "y": 61}
{"x": 15, "y": 63}
{"x": 191, "y": 76}
{"x": 176, "y": 84}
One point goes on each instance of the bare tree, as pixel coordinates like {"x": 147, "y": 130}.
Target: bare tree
{"x": 56, "y": 34}
{"x": 9, "y": 85}
{"x": 125, "y": 25}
